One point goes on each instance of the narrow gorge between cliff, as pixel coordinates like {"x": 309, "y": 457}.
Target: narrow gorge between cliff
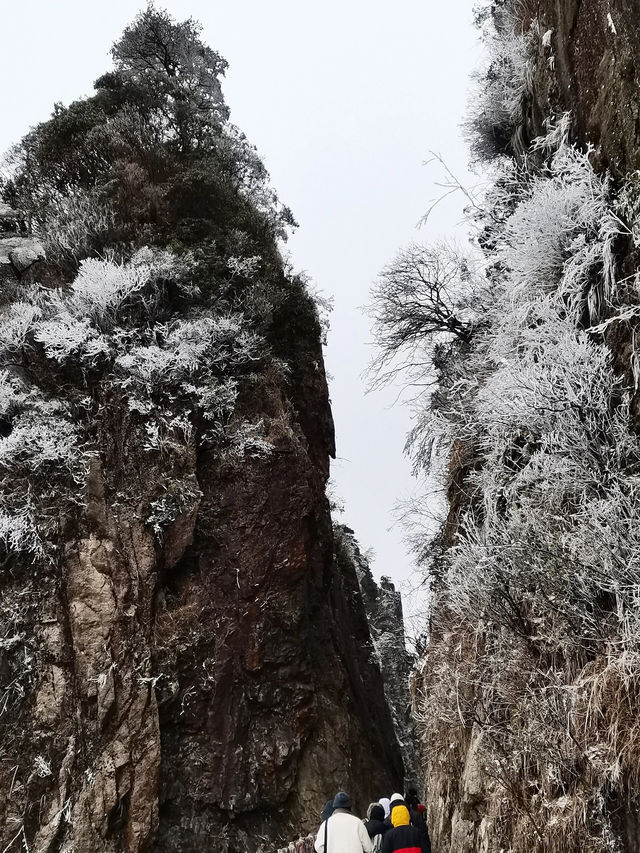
{"x": 195, "y": 654}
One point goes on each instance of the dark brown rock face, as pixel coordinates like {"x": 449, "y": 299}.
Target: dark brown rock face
{"x": 206, "y": 690}
{"x": 290, "y": 704}
{"x": 383, "y": 605}
{"x": 591, "y": 69}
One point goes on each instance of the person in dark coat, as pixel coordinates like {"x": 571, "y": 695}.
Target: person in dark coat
{"x": 375, "y": 823}
{"x": 404, "y": 837}
{"x": 417, "y": 812}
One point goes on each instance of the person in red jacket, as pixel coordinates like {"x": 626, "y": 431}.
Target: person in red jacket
{"x": 404, "y": 838}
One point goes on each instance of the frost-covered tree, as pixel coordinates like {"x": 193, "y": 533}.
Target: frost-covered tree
{"x": 511, "y": 37}
{"x": 174, "y": 71}
{"x": 419, "y": 299}
{"x": 151, "y": 154}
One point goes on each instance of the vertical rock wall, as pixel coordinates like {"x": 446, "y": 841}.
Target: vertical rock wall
{"x": 585, "y": 62}
{"x": 208, "y": 691}
{"x": 383, "y": 605}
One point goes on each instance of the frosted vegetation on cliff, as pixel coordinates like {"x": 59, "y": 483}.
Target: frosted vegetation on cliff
{"x": 168, "y": 374}
{"x": 536, "y": 617}
{"x": 163, "y": 293}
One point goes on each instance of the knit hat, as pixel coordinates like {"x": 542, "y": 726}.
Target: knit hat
{"x": 385, "y": 802}
{"x": 376, "y": 812}
{"x": 400, "y": 816}
{"x": 341, "y": 801}
{"x": 396, "y": 799}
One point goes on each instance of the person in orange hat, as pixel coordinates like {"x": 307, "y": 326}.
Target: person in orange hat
{"x": 403, "y": 838}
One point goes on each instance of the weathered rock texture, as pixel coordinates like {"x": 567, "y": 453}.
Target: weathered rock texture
{"x": 185, "y": 665}
{"x": 18, "y": 251}
{"x": 591, "y": 68}
{"x": 383, "y": 605}
{"x": 588, "y": 65}
{"x": 213, "y": 692}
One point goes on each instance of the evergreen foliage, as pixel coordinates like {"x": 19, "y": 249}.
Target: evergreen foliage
{"x": 163, "y": 292}
{"x": 151, "y": 158}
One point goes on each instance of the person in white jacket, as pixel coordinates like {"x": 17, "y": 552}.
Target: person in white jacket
{"x": 343, "y": 832}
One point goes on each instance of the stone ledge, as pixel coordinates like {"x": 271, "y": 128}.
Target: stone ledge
{"x": 20, "y": 252}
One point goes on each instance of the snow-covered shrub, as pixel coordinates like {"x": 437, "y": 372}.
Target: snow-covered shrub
{"x": 75, "y": 322}
{"x": 173, "y": 501}
{"x": 19, "y": 531}
{"x": 562, "y": 231}
{"x": 75, "y": 224}
{"x": 17, "y": 321}
{"x": 628, "y": 206}
{"x": 65, "y": 336}
{"x": 495, "y": 107}
{"x": 216, "y": 398}
{"x": 101, "y": 288}
{"x": 245, "y": 267}
{"x": 246, "y": 441}
{"x": 40, "y": 436}
{"x": 536, "y": 638}
{"x": 167, "y": 432}
{"x": 41, "y": 458}
{"x": 12, "y": 394}
{"x": 182, "y": 348}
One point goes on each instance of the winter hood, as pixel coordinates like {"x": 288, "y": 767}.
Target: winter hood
{"x": 400, "y": 816}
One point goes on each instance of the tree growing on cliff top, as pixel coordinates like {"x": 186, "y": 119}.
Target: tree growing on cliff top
{"x": 151, "y": 157}
{"x": 163, "y": 276}
{"x": 172, "y": 67}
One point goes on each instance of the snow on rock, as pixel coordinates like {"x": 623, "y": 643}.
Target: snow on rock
{"x": 26, "y": 254}
{"x": 18, "y": 251}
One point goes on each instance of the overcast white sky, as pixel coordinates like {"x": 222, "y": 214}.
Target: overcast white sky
{"x": 344, "y": 100}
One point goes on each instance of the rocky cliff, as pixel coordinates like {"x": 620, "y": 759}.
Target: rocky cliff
{"x": 383, "y": 606}
{"x": 184, "y": 662}
{"x": 528, "y": 692}
{"x": 588, "y": 65}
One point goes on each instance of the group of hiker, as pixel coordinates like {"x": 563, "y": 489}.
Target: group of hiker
{"x": 392, "y": 825}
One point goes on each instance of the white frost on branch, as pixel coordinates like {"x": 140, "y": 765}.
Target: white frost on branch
{"x": 65, "y": 336}
{"x": 186, "y": 346}
{"x": 17, "y": 321}
{"x": 102, "y": 287}
{"x": 169, "y": 374}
